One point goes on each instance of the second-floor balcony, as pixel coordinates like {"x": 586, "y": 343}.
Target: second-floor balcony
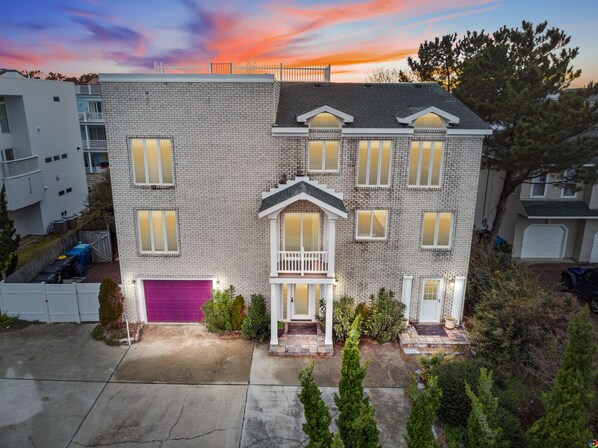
{"x": 95, "y": 144}
{"x": 302, "y": 262}
{"x": 91, "y": 116}
{"x": 23, "y": 181}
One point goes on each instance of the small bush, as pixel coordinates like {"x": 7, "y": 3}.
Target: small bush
{"x": 364, "y": 313}
{"x": 217, "y": 312}
{"x": 455, "y": 405}
{"x": 343, "y": 315}
{"x": 427, "y": 363}
{"x": 257, "y": 322}
{"x": 238, "y": 312}
{"x": 387, "y": 320}
{"x": 111, "y": 303}
{"x": 97, "y": 333}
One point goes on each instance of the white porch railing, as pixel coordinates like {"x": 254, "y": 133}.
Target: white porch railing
{"x": 302, "y": 262}
{"x": 91, "y": 116}
{"x": 19, "y": 167}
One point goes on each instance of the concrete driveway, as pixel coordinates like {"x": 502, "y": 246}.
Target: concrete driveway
{"x": 179, "y": 387}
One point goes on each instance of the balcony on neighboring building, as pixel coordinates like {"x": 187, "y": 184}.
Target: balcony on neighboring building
{"x": 95, "y": 117}
{"x": 87, "y": 89}
{"x": 23, "y": 181}
{"x": 95, "y": 144}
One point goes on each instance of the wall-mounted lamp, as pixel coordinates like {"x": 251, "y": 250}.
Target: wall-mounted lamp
{"x": 134, "y": 281}
{"x": 335, "y": 284}
{"x": 452, "y": 282}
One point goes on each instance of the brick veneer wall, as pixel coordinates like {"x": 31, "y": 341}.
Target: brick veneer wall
{"x": 225, "y": 156}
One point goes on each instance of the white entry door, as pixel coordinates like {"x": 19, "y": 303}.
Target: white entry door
{"x": 431, "y": 300}
{"x": 300, "y": 302}
{"x": 594, "y": 254}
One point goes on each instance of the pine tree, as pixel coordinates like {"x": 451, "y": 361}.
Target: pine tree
{"x": 565, "y": 422}
{"x": 482, "y": 425}
{"x": 316, "y": 412}
{"x": 423, "y": 413}
{"x": 9, "y": 238}
{"x": 111, "y": 302}
{"x": 356, "y": 423}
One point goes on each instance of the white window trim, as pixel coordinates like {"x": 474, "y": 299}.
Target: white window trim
{"x": 323, "y": 170}
{"x": 146, "y": 164}
{"x": 439, "y": 297}
{"x": 165, "y": 232}
{"x": 7, "y": 131}
{"x": 436, "y": 228}
{"x": 371, "y": 238}
{"x": 563, "y": 189}
{"x": 284, "y": 229}
{"x": 367, "y": 169}
{"x": 535, "y": 181}
{"x": 418, "y": 183}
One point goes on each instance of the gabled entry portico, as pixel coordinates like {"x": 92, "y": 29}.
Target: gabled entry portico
{"x": 302, "y": 214}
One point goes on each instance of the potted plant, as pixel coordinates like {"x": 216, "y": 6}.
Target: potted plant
{"x": 280, "y": 328}
{"x": 450, "y": 323}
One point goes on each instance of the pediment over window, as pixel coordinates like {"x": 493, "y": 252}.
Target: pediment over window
{"x": 325, "y": 117}
{"x": 298, "y": 189}
{"x": 426, "y": 117}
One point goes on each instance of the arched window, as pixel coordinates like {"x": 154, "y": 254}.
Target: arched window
{"x": 429, "y": 121}
{"x": 324, "y": 120}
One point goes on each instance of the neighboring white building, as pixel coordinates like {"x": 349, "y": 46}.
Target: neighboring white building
{"x": 93, "y": 131}
{"x": 41, "y": 152}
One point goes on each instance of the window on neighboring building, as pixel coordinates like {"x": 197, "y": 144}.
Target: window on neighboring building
{"x": 48, "y": 159}
{"x": 373, "y": 166}
{"x": 152, "y": 161}
{"x": 372, "y": 224}
{"x": 56, "y": 158}
{"x": 56, "y": 99}
{"x": 437, "y": 229}
{"x": 157, "y": 231}
{"x": 61, "y": 193}
{"x": 64, "y": 156}
{"x": 323, "y": 155}
{"x": 569, "y": 190}
{"x": 3, "y": 119}
{"x": 324, "y": 120}
{"x": 429, "y": 121}
{"x": 68, "y": 190}
{"x": 425, "y": 164}
{"x": 539, "y": 186}
{"x": 96, "y": 132}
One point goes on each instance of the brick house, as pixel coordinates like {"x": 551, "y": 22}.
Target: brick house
{"x": 297, "y": 191}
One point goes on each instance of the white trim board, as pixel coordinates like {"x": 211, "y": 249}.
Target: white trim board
{"x": 428, "y": 110}
{"x": 346, "y": 118}
{"x": 150, "y": 77}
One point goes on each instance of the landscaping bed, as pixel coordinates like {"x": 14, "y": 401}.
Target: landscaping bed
{"x": 10, "y": 323}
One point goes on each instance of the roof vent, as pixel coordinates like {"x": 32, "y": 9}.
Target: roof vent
{"x": 367, "y": 85}
{"x": 417, "y": 86}
{"x": 317, "y": 85}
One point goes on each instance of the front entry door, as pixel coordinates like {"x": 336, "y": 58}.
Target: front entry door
{"x": 300, "y": 302}
{"x": 430, "y": 301}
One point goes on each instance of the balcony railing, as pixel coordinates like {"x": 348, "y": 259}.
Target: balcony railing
{"x": 95, "y": 144}
{"x": 91, "y": 116}
{"x": 20, "y": 167}
{"x": 302, "y": 262}
{"x": 87, "y": 90}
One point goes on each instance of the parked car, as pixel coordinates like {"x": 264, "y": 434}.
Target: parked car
{"x": 585, "y": 281}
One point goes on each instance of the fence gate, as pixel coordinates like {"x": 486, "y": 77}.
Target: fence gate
{"x": 101, "y": 246}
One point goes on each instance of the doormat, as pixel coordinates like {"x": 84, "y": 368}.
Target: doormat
{"x": 302, "y": 328}
{"x": 430, "y": 330}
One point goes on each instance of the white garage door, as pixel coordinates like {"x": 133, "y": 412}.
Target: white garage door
{"x": 543, "y": 241}
{"x": 594, "y": 254}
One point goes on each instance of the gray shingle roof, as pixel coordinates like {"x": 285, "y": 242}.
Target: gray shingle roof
{"x": 302, "y": 187}
{"x": 558, "y": 209}
{"x": 372, "y": 107}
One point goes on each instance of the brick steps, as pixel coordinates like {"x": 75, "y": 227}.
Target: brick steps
{"x": 301, "y": 344}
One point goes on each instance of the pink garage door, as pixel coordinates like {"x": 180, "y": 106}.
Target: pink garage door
{"x": 175, "y": 300}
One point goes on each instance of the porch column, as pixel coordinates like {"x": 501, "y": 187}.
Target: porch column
{"x": 274, "y": 314}
{"x": 329, "y": 303}
{"x": 458, "y": 293}
{"x": 331, "y": 244}
{"x": 273, "y": 246}
{"x": 406, "y": 294}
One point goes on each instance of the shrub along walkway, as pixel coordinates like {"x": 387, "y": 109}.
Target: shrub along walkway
{"x": 455, "y": 341}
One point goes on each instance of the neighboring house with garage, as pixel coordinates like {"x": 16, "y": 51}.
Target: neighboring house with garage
{"x": 544, "y": 220}
{"x": 297, "y": 191}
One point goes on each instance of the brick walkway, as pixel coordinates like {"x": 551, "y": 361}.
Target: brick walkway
{"x": 455, "y": 341}
{"x": 301, "y": 344}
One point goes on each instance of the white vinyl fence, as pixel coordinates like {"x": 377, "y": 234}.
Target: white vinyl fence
{"x": 76, "y": 302}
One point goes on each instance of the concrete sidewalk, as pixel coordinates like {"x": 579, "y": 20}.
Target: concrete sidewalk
{"x": 179, "y": 387}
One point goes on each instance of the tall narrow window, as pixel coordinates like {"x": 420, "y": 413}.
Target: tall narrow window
{"x": 152, "y": 161}
{"x": 301, "y": 230}
{"x": 4, "y": 129}
{"x": 373, "y": 166}
{"x": 157, "y": 231}
{"x": 570, "y": 189}
{"x": 437, "y": 229}
{"x": 371, "y": 224}
{"x": 425, "y": 164}
{"x": 323, "y": 155}
{"x": 539, "y": 186}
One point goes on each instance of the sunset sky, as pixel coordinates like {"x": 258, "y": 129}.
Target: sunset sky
{"x": 355, "y": 36}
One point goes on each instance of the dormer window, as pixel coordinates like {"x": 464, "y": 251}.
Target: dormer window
{"x": 429, "y": 121}
{"x": 324, "y": 120}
